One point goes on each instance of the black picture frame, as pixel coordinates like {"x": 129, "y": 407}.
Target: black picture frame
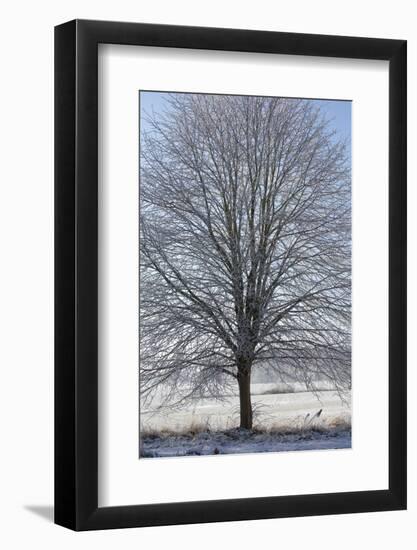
{"x": 76, "y": 272}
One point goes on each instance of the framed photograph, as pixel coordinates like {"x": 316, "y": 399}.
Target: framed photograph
{"x": 230, "y": 254}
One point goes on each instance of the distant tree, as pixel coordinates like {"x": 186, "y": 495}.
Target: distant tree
{"x": 245, "y": 246}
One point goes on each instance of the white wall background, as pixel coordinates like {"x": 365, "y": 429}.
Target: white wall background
{"x": 26, "y": 272}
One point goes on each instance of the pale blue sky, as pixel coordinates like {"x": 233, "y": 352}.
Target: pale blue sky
{"x": 338, "y": 112}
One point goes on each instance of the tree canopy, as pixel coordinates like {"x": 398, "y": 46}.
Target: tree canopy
{"x": 245, "y": 253}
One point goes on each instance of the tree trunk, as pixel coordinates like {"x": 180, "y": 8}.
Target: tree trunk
{"x": 245, "y": 401}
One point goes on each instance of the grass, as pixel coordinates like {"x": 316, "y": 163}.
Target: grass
{"x": 299, "y": 426}
{"x": 195, "y": 428}
{"x": 320, "y": 424}
{"x": 198, "y": 438}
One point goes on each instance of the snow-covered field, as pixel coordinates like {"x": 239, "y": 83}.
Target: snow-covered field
{"x": 282, "y": 422}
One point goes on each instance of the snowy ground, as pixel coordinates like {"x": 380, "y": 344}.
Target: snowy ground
{"x": 282, "y": 422}
{"x": 242, "y": 441}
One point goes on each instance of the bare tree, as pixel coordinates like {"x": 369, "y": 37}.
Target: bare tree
{"x": 245, "y": 245}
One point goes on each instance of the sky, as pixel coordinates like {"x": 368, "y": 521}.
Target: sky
{"x": 338, "y": 112}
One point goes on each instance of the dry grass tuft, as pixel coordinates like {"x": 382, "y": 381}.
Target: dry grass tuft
{"x": 195, "y": 428}
{"x": 284, "y": 427}
{"x": 307, "y": 424}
